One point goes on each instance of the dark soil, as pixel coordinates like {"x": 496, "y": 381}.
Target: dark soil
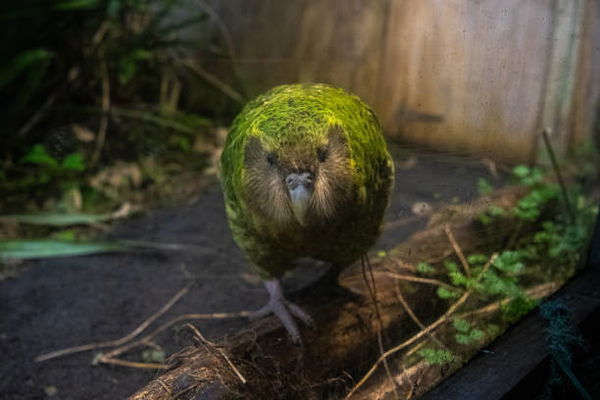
{"x": 59, "y": 303}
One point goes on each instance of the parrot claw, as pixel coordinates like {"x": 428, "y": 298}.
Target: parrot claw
{"x": 284, "y": 310}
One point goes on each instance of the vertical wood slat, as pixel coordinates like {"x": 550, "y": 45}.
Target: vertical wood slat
{"x": 586, "y": 97}
{"x": 562, "y": 63}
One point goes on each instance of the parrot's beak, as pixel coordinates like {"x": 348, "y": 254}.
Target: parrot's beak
{"x": 300, "y": 187}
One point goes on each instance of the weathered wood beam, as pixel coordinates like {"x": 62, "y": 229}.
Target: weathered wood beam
{"x": 343, "y": 345}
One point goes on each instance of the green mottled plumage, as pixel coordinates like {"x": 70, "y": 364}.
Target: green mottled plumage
{"x": 294, "y": 123}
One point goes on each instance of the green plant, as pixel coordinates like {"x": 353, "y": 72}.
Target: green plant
{"x": 484, "y": 186}
{"x": 466, "y": 334}
{"x": 90, "y": 83}
{"x": 425, "y": 268}
{"x": 436, "y": 356}
{"x": 530, "y": 206}
{"x": 550, "y": 239}
{"x": 49, "y": 166}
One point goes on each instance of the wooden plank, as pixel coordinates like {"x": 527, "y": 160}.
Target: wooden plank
{"x": 516, "y": 353}
{"x": 557, "y": 109}
{"x": 586, "y": 96}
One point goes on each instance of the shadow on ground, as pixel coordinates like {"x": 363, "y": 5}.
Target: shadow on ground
{"x": 59, "y": 303}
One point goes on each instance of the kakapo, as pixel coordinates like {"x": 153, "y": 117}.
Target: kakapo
{"x": 305, "y": 172}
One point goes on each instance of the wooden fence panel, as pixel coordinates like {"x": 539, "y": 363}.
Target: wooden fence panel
{"x": 482, "y": 76}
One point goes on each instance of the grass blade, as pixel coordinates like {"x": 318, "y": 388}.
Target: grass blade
{"x": 54, "y": 219}
{"x": 46, "y": 248}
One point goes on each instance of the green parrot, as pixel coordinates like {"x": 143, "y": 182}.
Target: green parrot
{"x": 305, "y": 173}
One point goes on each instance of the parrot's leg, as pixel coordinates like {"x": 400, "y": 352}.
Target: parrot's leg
{"x": 283, "y": 310}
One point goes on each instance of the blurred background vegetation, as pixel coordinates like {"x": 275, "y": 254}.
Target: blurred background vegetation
{"x": 114, "y": 106}
{"x": 95, "y": 103}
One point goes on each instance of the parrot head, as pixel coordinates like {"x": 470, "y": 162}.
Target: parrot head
{"x": 298, "y": 178}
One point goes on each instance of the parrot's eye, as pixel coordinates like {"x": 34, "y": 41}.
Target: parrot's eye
{"x": 271, "y": 159}
{"x": 322, "y": 154}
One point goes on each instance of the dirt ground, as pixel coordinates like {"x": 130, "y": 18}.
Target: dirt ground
{"x": 59, "y": 303}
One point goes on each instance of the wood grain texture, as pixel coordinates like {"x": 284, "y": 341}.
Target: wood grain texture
{"x": 478, "y": 76}
{"x": 478, "y": 68}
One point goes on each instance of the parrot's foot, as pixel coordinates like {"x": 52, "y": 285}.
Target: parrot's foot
{"x": 283, "y": 310}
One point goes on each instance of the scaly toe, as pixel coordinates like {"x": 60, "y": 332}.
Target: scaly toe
{"x": 300, "y": 314}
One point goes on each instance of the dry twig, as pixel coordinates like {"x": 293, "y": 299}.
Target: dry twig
{"x": 219, "y": 350}
{"x": 457, "y": 250}
{"x": 414, "y": 317}
{"x": 411, "y": 278}
{"x": 561, "y": 181}
{"x": 214, "y": 80}
{"x": 373, "y": 294}
{"x": 110, "y": 358}
{"x": 124, "y": 339}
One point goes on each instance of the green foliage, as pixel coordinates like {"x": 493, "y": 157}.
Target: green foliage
{"x": 425, "y": 268}
{"x": 28, "y": 249}
{"x": 451, "y": 266}
{"x": 495, "y": 283}
{"x": 492, "y": 330}
{"x": 492, "y": 212}
{"x": 564, "y": 241}
{"x": 556, "y": 240}
{"x": 56, "y": 219}
{"x": 466, "y": 334}
{"x": 501, "y": 280}
{"x": 76, "y": 55}
{"x": 45, "y": 172}
{"x": 23, "y": 63}
{"x": 530, "y": 206}
{"x": 473, "y": 335}
{"x": 528, "y": 176}
{"x": 509, "y": 261}
{"x": 436, "y": 356}
{"x": 128, "y": 65}
{"x": 458, "y": 278}
{"x": 444, "y": 293}
{"x": 484, "y": 186}
{"x": 517, "y": 307}
{"x": 65, "y": 244}
{"x": 154, "y": 356}
{"x": 39, "y": 156}
{"x": 73, "y": 162}
{"x": 477, "y": 259}
{"x": 461, "y": 325}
